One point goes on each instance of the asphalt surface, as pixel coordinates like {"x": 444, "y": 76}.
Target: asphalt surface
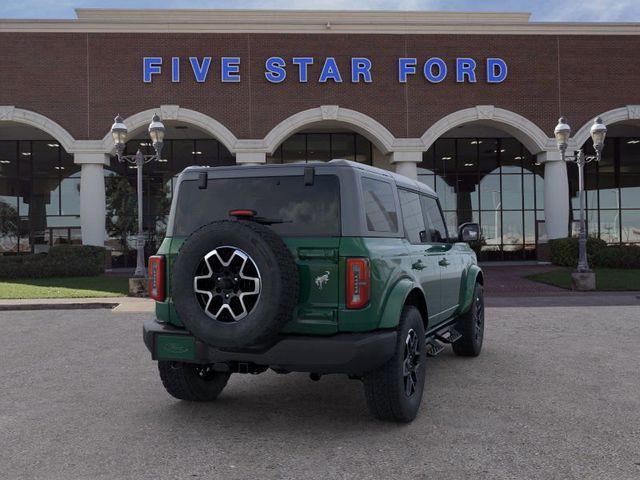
{"x": 555, "y": 394}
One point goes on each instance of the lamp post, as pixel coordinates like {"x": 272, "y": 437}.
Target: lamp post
{"x": 562, "y": 133}
{"x": 119, "y": 133}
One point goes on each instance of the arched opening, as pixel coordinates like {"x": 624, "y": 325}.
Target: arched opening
{"x": 612, "y": 186}
{"x": 326, "y": 141}
{"x": 185, "y": 145}
{"x": 329, "y": 132}
{"x": 39, "y": 189}
{"x": 483, "y": 174}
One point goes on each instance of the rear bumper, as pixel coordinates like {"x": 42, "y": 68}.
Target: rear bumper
{"x": 350, "y": 353}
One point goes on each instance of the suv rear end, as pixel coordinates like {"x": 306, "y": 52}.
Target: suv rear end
{"x": 299, "y": 267}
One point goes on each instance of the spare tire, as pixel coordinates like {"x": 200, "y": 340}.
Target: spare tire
{"x": 234, "y": 284}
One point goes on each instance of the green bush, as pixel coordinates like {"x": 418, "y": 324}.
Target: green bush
{"x": 61, "y": 261}
{"x": 564, "y": 251}
{"x": 618, "y": 256}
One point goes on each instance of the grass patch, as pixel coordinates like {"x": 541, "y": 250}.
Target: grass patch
{"x": 607, "y": 279}
{"x": 71, "y": 287}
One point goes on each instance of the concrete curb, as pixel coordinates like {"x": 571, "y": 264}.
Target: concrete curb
{"x": 57, "y": 306}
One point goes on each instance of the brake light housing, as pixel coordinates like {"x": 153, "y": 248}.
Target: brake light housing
{"x": 157, "y": 278}
{"x": 358, "y": 284}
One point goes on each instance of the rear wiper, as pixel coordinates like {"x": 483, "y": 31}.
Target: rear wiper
{"x": 269, "y": 221}
{"x": 252, "y": 215}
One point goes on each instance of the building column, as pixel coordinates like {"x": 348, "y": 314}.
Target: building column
{"x": 406, "y": 163}
{"x": 93, "y": 209}
{"x": 556, "y": 194}
{"x": 251, "y": 158}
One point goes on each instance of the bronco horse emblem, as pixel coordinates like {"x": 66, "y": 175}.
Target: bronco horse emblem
{"x": 321, "y": 280}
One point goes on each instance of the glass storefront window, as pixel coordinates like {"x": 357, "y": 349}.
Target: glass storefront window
{"x": 630, "y": 223}
{"x": 610, "y": 226}
{"x": 319, "y": 148}
{"x": 512, "y": 192}
{"x": 493, "y": 181}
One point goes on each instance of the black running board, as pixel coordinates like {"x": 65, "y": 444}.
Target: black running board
{"x": 436, "y": 341}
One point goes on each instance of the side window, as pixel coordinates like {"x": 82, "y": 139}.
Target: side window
{"x": 379, "y": 206}
{"x": 412, "y": 216}
{"x": 436, "y": 230}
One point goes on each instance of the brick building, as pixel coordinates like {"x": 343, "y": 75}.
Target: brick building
{"x": 466, "y": 102}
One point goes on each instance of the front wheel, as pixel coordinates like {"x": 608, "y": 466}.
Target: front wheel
{"x": 394, "y": 391}
{"x": 192, "y": 382}
{"x": 471, "y": 326}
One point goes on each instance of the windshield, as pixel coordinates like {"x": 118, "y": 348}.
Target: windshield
{"x": 296, "y": 209}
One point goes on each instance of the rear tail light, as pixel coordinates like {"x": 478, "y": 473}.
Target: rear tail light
{"x": 358, "y": 282}
{"x": 156, "y": 278}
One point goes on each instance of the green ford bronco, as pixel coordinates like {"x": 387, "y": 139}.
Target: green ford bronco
{"x": 323, "y": 268}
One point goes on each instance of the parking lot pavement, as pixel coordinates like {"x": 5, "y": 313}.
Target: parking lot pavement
{"x": 555, "y": 394}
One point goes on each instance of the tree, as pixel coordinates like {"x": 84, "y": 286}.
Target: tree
{"x": 122, "y": 211}
{"x": 9, "y": 221}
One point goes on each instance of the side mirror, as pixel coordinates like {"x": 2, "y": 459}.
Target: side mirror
{"x": 469, "y": 232}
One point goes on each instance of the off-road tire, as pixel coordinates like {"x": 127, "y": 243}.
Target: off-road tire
{"x": 190, "y": 382}
{"x": 384, "y": 388}
{"x": 471, "y": 326}
{"x": 279, "y": 284}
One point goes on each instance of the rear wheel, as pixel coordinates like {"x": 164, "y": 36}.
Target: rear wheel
{"x": 394, "y": 391}
{"x": 191, "y": 382}
{"x": 471, "y": 326}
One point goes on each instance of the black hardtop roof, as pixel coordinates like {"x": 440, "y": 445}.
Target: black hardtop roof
{"x": 399, "y": 180}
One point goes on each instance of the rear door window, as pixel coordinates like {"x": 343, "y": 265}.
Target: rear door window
{"x": 436, "y": 229}
{"x": 380, "y": 206}
{"x": 297, "y": 209}
{"x": 412, "y": 217}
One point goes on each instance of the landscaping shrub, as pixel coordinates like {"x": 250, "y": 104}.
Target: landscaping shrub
{"x": 618, "y": 256}
{"x": 61, "y": 261}
{"x": 564, "y": 251}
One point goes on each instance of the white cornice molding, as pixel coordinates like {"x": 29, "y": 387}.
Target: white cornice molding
{"x": 302, "y": 21}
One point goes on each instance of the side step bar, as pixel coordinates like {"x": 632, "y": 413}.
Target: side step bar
{"x": 435, "y": 343}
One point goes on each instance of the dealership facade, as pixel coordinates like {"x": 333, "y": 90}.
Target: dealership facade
{"x": 465, "y": 102}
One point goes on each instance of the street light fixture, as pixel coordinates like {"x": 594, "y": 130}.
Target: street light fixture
{"x": 119, "y": 133}
{"x": 562, "y": 133}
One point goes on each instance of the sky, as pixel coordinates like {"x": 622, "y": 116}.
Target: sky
{"x": 542, "y": 10}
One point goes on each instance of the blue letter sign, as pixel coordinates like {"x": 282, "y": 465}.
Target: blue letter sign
{"x": 406, "y": 66}
{"x": 428, "y": 70}
{"x": 151, "y": 66}
{"x": 230, "y": 71}
{"x": 434, "y": 69}
{"x": 275, "y": 69}
{"x": 303, "y": 67}
{"x": 496, "y": 70}
{"x": 330, "y": 71}
{"x": 200, "y": 71}
{"x": 360, "y": 67}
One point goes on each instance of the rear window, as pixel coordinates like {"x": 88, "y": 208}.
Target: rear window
{"x": 305, "y": 210}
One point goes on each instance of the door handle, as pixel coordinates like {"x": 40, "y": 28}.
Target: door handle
{"x": 418, "y": 265}
{"x": 444, "y": 262}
